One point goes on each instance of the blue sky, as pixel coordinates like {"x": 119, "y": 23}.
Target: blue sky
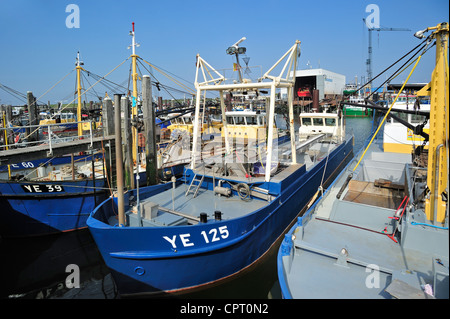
{"x": 37, "y": 49}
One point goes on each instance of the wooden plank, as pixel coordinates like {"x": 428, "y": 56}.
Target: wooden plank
{"x": 367, "y": 193}
{"x": 385, "y": 183}
{"x": 401, "y": 290}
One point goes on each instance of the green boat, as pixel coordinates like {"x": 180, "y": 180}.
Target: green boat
{"x": 356, "y": 111}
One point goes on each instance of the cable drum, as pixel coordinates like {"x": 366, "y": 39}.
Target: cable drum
{"x": 243, "y": 190}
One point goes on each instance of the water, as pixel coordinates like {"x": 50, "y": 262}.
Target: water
{"x": 360, "y": 128}
{"x": 36, "y": 268}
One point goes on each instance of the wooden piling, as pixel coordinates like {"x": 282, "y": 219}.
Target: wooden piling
{"x": 108, "y": 117}
{"x": 8, "y": 119}
{"x": 32, "y": 116}
{"x": 108, "y": 129}
{"x": 149, "y": 131}
{"x": 160, "y": 103}
{"x": 119, "y": 159}
{"x": 127, "y": 137}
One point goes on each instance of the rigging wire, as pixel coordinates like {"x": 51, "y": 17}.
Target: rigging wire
{"x": 24, "y": 96}
{"x": 389, "y": 110}
{"x": 350, "y": 176}
{"x": 16, "y": 94}
{"x": 87, "y": 90}
{"x": 382, "y": 72}
{"x": 54, "y": 85}
{"x": 401, "y": 69}
{"x": 110, "y": 85}
{"x": 169, "y": 77}
{"x": 87, "y": 80}
{"x": 158, "y": 84}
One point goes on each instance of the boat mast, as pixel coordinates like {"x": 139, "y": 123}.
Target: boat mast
{"x": 79, "y": 68}
{"x": 134, "y": 77}
{"x": 236, "y": 50}
{"x": 437, "y": 177}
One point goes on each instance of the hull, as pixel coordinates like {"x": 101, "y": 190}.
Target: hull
{"x": 37, "y": 207}
{"x": 55, "y": 162}
{"x": 400, "y": 139}
{"x": 152, "y": 260}
{"x": 355, "y": 111}
{"x": 42, "y": 208}
{"x": 66, "y": 127}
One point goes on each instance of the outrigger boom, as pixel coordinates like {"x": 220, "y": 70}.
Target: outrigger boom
{"x": 284, "y": 80}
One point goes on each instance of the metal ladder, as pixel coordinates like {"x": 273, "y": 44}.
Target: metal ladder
{"x": 195, "y": 185}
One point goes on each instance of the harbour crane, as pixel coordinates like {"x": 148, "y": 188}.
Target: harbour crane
{"x": 369, "y": 60}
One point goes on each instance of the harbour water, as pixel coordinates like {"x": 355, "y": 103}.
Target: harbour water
{"x": 46, "y": 267}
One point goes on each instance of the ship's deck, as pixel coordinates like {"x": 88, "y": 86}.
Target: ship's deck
{"x": 205, "y": 201}
{"x": 172, "y": 207}
{"x": 344, "y": 250}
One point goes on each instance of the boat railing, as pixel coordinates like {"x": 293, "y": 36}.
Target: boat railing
{"x": 21, "y": 136}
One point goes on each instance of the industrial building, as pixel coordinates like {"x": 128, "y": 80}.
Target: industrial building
{"x": 328, "y": 86}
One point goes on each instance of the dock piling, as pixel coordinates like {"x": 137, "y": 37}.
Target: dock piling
{"x": 127, "y": 136}
{"x": 119, "y": 159}
{"x": 149, "y": 131}
{"x": 32, "y": 116}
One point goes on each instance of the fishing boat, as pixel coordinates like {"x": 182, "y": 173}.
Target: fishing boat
{"x": 49, "y": 195}
{"x": 356, "y": 111}
{"x": 176, "y": 153}
{"x": 241, "y": 124}
{"x": 304, "y": 92}
{"x": 381, "y": 229}
{"x": 68, "y": 121}
{"x": 43, "y": 208}
{"x": 218, "y": 218}
{"x": 185, "y": 123}
{"x": 251, "y": 124}
{"x": 318, "y": 123}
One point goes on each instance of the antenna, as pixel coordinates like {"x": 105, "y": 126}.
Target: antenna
{"x": 78, "y": 61}
{"x": 236, "y": 50}
{"x": 247, "y": 69}
{"x": 133, "y": 43}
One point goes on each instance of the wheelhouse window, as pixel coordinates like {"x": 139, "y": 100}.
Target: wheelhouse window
{"x": 239, "y": 120}
{"x": 261, "y": 120}
{"x": 251, "y": 120}
{"x": 330, "y": 122}
{"x": 230, "y": 120}
{"x": 318, "y": 121}
{"x": 306, "y": 121}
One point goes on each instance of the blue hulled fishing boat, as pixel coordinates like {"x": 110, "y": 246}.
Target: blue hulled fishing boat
{"x": 42, "y": 208}
{"x": 50, "y": 195}
{"x": 238, "y": 196}
{"x": 381, "y": 229}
